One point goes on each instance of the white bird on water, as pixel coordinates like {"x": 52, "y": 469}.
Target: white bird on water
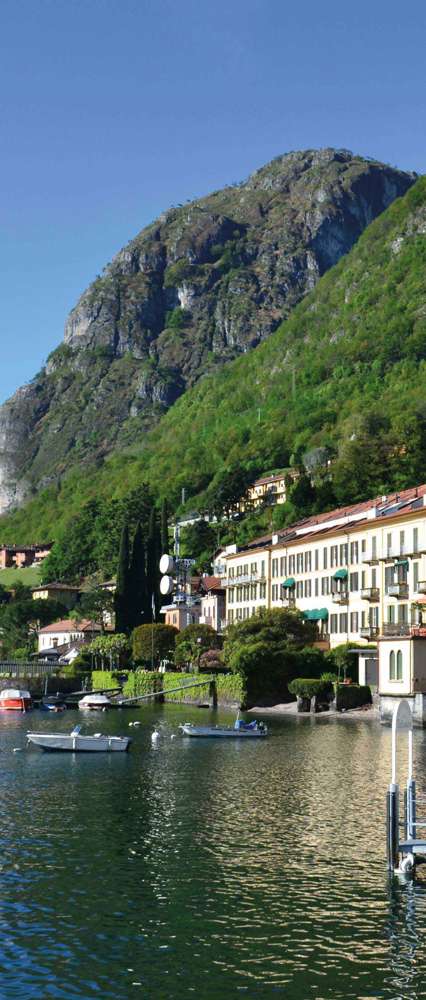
{"x": 155, "y": 735}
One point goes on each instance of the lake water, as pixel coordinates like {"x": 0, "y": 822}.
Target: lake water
{"x": 206, "y": 869}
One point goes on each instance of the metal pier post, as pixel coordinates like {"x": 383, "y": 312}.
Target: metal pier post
{"x": 392, "y": 822}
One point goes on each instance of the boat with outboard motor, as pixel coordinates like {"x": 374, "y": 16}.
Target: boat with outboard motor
{"x": 240, "y": 730}
{"x": 77, "y": 742}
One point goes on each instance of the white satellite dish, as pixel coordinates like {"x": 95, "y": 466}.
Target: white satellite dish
{"x": 167, "y": 564}
{"x": 166, "y": 585}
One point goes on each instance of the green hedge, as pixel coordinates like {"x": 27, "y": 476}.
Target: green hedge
{"x": 104, "y": 679}
{"x": 229, "y": 686}
{"x": 230, "y": 689}
{"x": 309, "y": 687}
{"x": 193, "y": 696}
{"x": 352, "y": 696}
{"x": 142, "y": 682}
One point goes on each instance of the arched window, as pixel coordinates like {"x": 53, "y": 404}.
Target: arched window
{"x": 392, "y": 676}
{"x": 399, "y": 665}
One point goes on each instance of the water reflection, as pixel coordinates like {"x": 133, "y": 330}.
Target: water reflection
{"x": 214, "y": 868}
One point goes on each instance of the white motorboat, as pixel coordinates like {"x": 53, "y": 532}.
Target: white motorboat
{"x": 240, "y": 730}
{"x": 76, "y": 742}
{"x": 94, "y": 702}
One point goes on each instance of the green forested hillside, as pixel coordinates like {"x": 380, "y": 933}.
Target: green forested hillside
{"x": 346, "y": 372}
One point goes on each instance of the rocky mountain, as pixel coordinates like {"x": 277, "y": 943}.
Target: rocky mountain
{"x": 205, "y": 282}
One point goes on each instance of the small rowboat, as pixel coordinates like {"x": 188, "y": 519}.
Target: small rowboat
{"x": 240, "y": 730}
{"x": 77, "y": 743}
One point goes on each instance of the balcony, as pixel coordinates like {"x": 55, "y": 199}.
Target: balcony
{"x": 398, "y": 590}
{"x": 396, "y": 629}
{"x": 340, "y": 596}
{"x": 370, "y": 594}
{"x": 370, "y": 557}
{"x": 402, "y": 629}
{"x": 369, "y": 632}
{"x": 401, "y": 552}
{"x": 235, "y": 581}
{"x": 421, "y": 587}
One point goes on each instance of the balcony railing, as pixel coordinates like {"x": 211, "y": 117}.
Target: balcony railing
{"x": 421, "y": 587}
{"x": 340, "y": 596}
{"x": 370, "y": 557}
{"x": 401, "y": 552}
{"x": 235, "y": 581}
{"x": 369, "y": 632}
{"x": 403, "y": 629}
{"x": 395, "y": 629}
{"x": 398, "y": 590}
{"x": 370, "y": 594}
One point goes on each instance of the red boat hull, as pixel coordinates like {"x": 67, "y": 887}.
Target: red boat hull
{"x": 15, "y": 704}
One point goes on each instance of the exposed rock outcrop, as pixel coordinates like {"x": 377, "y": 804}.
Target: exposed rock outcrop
{"x": 204, "y": 282}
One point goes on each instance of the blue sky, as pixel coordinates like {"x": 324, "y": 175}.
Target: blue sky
{"x": 112, "y": 110}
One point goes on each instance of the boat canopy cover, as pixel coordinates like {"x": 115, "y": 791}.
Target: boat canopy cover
{"x": 14, "y": 693}
{"x": 289, "y": 583}
{"x": 340, "y": 574}
{"x": 98, "y": 699}
{"x": 316, "y": 615}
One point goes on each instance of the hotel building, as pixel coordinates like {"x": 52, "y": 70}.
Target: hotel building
{"x": 359, "y": 571}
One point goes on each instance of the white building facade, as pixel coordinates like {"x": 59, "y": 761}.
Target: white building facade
{"x": 359, "y": 571}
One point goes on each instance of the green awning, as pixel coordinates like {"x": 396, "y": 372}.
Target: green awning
{"x": 289, "y": 583}
{"x": 316, "y": 615}
{"x": 402, "y": 562}
{"x": 340, "y": 574}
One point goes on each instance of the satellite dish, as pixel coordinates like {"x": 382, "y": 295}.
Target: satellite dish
{"x": 166, "y": 584}
{"x": 167, "y": 564}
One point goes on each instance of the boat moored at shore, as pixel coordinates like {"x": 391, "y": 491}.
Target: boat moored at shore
{"x": 15, "y": 700}
{"x": 94, "y": 702}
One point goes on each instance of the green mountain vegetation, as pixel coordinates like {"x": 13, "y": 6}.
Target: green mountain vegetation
{"x": 205, "y": 283}
{"x": 339, "y": 389}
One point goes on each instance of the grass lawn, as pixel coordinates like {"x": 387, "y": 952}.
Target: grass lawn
{"x": 29, "y": 575}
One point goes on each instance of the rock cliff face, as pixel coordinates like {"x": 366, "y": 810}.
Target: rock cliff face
{"x": 205, "y": 282}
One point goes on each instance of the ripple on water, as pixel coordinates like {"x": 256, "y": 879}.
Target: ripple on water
{"x": 220, "y": 869}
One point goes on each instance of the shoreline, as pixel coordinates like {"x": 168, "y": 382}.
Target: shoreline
{"x": 369, "y": 714}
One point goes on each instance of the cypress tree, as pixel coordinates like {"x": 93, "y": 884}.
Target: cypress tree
{"x": 164, "y": 528}
{"x": 122, "y": 597}
{"x": 139, "y": 603}
{"x": 152, "y": 567}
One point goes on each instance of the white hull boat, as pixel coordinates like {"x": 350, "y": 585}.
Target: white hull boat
{"x": 75, "y": 742}
{"x": 94, "y": 703}
{"x": 240, "y": 730}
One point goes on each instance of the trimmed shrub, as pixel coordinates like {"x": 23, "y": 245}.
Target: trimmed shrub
{"x": 229, "y": 689}
{"x": 142, "y": 682}
{"x": 104, "y": 679}
{"x": 352, "y": 696}
{"x": 310, "y": 687}
{"x": 193, "y": 696}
